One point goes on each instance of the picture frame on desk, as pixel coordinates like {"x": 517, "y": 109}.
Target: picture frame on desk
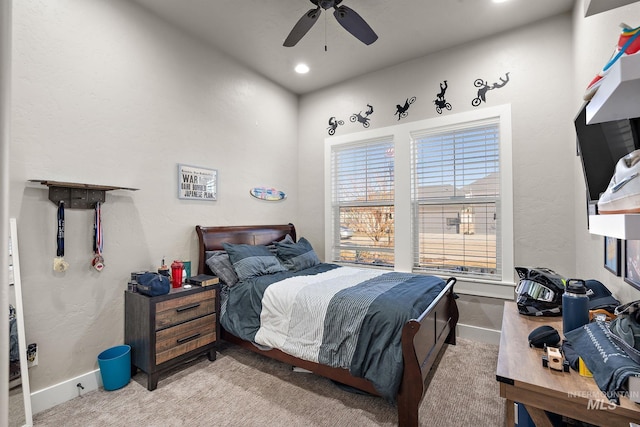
{"x": 632, "y": 262}
{"x": 612, "y": 260}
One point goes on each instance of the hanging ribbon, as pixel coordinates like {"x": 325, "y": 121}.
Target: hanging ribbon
{"x": 98, "y": 261}
{"x": 59, "y": 264}
{"x": 60, "y": 234}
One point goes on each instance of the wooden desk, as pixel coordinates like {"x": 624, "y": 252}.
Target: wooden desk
{"x": 523, "y": 379}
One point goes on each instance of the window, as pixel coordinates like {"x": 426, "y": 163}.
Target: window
{"x": 455, "y": 195}
{"x": 363, "y": 202}
{"x": 432, "y": 196}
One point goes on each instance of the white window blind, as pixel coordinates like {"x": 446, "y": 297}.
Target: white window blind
{"x": 456, "y": 198}
{"x": 362, "y": 178}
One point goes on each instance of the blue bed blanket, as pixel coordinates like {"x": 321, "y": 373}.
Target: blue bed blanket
{"x": 342, "y": 317}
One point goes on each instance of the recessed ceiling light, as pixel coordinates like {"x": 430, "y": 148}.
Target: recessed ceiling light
{"x": 302, "y": 68}
{"x": 500, "y": 1}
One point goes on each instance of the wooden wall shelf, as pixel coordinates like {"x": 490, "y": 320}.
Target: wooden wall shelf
{"x": 76, "y": 195}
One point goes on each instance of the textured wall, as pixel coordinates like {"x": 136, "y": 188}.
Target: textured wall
{"x": 595, "y": 38}
{"x": 542, "y": 144}
{"x": 104, "y": 93}
{"x": 538, "y": 58}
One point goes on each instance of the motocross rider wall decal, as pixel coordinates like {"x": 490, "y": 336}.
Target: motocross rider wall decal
{"x": 401, "y": 110}
{"x": 440, "y": 101}
{"x": 333, "y": 125}
{"x": 484, "y": 87}
{"x": 360, "y": 118}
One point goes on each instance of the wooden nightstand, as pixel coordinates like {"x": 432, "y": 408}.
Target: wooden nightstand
{"x": 166, "y": 330}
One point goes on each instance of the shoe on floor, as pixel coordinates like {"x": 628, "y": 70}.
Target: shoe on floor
{"x": 623, "y": 193}
{"x": 628, "y": 44}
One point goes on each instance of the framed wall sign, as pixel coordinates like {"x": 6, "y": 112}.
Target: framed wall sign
{"x": 612, "y": 255}
{"x": 197, "y": 183}
{"x": 632, "y": 262}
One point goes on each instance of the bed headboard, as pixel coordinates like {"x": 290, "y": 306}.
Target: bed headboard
{"x": 212, "y": 238}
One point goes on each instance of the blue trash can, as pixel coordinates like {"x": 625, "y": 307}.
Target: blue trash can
{"x": 115, "y": 367}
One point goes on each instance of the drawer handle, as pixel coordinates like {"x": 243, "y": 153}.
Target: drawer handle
{"x": 189, "y": 338}
{"x": 188, "y": 307}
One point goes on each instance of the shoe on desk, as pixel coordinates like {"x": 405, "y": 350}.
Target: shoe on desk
{"x": 628, "y": 44}
{"x": 622, "y": 196}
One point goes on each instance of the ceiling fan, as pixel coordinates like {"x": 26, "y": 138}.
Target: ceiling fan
{"x": 346, "y": 17}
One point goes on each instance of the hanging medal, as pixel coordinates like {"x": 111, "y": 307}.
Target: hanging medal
{"x": 98, "y": 261}
{"x": 59, "y": 264}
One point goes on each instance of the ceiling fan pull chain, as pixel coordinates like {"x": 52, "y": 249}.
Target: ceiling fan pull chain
{"x": 325, "y": 32}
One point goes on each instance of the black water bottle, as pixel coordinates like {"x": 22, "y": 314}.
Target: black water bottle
{"x": 575, "y": 305}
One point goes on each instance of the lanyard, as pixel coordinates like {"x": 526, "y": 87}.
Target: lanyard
{"x": 98, "y": 261}
{"x": 97, "y": 228}
{"x": 60, "y": 235}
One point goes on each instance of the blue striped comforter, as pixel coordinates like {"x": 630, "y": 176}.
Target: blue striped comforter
{"x": 339, "y": 316}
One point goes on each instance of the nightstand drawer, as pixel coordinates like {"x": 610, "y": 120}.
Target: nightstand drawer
{"x": 172, "y": 342}
{"x": 178, "y": 310}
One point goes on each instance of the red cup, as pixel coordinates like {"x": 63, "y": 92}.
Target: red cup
{"x": 176, "y": 274}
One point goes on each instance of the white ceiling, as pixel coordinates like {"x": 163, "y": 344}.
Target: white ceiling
{"x": 252, "y": 32}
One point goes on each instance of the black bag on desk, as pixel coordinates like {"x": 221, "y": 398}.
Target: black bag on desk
{"x": 625, "y": 329}
{"x": 153, "y": 284}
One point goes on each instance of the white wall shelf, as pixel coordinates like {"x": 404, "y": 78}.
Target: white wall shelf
{"x": 593, "y": 7}
{"x": 626, "y": 227}
{"x": 617, "y": 97}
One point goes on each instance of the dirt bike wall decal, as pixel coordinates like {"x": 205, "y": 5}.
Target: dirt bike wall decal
{"x": 360, "y": 118}
{"x": 333, "y": 125}
{"x": 440, "y": 101}
{"x": 484, "y": 87}
{"x": 401, "y": 110}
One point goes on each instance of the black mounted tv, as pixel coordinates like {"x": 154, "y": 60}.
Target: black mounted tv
{"x": 600, "y": 146}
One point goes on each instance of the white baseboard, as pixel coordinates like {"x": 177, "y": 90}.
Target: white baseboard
{"x": 477, "y": 333}
{"x": 64, "y": 391}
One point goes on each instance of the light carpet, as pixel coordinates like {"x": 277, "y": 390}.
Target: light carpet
{"x": 245, "y": 389}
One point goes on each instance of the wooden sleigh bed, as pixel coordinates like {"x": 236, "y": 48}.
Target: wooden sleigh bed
{"x": 422, "y": 338}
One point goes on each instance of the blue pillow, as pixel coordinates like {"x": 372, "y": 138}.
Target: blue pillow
{"x": 297, "y": 256}
{"x": 272, "y": 246}
{"x": 250, "y": 261}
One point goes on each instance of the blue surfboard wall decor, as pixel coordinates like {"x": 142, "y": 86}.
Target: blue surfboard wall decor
{"x": 268, "y": 194}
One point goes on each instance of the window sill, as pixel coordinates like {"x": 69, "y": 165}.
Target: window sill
{"x": 464, "y": 285}
{"x": 484, "y": 288}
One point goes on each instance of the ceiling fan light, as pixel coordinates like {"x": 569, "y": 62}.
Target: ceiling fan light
{"x": 302, "y": 68}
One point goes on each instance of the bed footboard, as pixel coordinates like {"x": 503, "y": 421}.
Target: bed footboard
{"x": 422, "y": 340}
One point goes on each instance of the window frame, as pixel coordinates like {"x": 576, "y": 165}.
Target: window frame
{"x": 372, "y": 146}
{"x": 461, "y": 129}
{"x": 401, "y": 135}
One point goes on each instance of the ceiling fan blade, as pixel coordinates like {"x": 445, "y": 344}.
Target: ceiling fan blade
{"x": 301, "y": 28}
{"x": 354, "y": 23}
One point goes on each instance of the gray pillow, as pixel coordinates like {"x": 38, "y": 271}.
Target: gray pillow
{"x": 297, "y": 256}
{"x": 250, "y": 261}
{"x": 220, "y": 265}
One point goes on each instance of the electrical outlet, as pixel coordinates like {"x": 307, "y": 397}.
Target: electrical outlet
{"x": 32, "y": 355}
